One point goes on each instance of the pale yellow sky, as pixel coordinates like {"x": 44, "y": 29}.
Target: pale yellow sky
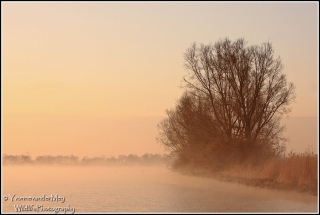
{"x": 76, "y": 75}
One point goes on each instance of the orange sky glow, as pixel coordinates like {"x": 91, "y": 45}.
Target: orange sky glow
{"x": 94, "y": 79}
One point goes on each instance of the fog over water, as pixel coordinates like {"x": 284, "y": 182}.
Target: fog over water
{"x": 98, "y": 96}
{"x": 139, "y": 189}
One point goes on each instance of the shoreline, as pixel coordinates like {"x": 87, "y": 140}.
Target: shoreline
{"x": 257, "y": 182}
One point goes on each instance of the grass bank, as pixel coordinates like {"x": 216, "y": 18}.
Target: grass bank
{"x": 296, "y": 171}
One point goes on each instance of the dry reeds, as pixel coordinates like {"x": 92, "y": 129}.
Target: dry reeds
{"x": 296, "y": 170}
{"x": 299, "y": 169}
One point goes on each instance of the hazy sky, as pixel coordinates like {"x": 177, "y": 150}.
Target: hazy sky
{"x": 96, "y": 78}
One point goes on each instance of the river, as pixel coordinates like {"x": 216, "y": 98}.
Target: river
{"x": 136, "y": 189}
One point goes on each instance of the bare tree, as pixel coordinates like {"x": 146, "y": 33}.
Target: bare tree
{"x": 189, "y": 132}
{"x": 245, "y": 88}
{"x": 231, "y": 111}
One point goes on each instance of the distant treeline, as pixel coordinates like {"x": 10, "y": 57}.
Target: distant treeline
{"x": 146, "y": 159}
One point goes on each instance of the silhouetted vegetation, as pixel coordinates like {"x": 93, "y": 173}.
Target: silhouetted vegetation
{"x": 227, "y": 122}
{"x": 146, "y": 159}
{"x": 297, "y": 171}
{"x": 48, "y": 159}
{"x": 16, "y": 159}
{"x": 231, "y": 110}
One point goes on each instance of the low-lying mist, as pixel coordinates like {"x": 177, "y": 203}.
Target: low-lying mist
{"x": 99, "y": 188}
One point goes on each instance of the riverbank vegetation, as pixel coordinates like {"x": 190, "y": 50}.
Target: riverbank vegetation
{"x": 227, "y": 123}
{"x": 296, "y": 171}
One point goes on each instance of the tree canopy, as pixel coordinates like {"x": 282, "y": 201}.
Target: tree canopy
{"x": 235, "y": 97}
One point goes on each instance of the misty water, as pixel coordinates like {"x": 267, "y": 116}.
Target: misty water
{"x": 139, "y": 189}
